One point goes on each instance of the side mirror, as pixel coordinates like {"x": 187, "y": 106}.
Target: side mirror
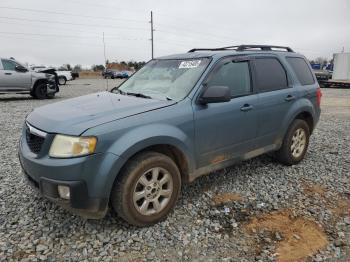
{"x": 19, "y": 68}
{"x": 215, "y": 94}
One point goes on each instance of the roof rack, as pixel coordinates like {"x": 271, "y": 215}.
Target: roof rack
{"x": 244, "y": 47}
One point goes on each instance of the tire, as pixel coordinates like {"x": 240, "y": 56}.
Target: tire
{"x": 62, "y": 80}
{"x": 295, "y": 143}
{"x": 40, "y": 91}
{"x": 112, "y": 77}
{"x": 51, "y": 96}
{"x": 127, "y": 198}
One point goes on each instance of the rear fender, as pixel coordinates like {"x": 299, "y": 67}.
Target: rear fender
{"x": 300, "y": 106}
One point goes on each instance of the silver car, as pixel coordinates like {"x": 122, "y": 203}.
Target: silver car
{"x": 16, "y": 78}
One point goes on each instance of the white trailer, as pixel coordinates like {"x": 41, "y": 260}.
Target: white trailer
{"x": 341, "y": 71}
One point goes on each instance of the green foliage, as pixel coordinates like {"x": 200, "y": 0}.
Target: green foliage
{"x": 98, "y": 67}
{"x": 77, "y": 68}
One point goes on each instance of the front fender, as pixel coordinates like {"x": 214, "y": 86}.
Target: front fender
{"x": 142, "y": 137}
{"x": 35, "y": 80}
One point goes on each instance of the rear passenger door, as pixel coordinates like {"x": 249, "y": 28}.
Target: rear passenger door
{"x": 306, "y": 85}
{"x": 276, "y": 96}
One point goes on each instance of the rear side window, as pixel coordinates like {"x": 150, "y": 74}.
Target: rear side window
{"x": 235, "y": 75}
{"x": 270, "y": 74}
{"x": 301, "y": 70}
{"x": 8, "y": 65}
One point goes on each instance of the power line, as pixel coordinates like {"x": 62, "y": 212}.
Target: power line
{"x": 65, "y": 42}
{"x": 93, "y": 34}
{"x": 70, "y": 14}
{"x": 69, "y": 36}
{"x": 41, "y": 41}
{"x": 106, "y": 6}
{"x": 76, "y": 24}
{"x": 189, "y": 34}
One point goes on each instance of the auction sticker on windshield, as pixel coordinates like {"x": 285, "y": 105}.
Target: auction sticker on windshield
{"x": 190, "y": 64}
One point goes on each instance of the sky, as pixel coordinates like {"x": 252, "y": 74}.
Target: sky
{"x": 53, "y": 32}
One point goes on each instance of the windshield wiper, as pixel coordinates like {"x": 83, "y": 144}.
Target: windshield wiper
{"x": 138, "y": 95}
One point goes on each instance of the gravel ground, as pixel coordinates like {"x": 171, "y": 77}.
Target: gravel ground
{"x": 256, "y": 210}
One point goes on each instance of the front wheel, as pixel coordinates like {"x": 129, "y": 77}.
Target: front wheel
{"x": 147, "y": 189}
{"x": 51, "y": 95}
{"x": 62, "y": 80}
{"x": 295, "y": 143}
{"x": 40, "y": 91}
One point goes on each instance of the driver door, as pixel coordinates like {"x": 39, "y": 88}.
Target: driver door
{"x": 224, "y": 131}
{"x": 12, "y": 80}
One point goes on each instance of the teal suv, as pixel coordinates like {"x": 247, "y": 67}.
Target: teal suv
{"x": 177, "y": 118}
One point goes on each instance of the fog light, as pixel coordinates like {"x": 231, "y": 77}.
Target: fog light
{"x": 64, "y": 192}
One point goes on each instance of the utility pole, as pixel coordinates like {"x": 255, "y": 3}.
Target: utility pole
{"x": 152, "y": 30}
{"x": 104, "y": 55}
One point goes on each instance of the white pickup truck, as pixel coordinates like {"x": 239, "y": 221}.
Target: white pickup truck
{"x": 63, "y": 75}
{"x": 16, "y": 78}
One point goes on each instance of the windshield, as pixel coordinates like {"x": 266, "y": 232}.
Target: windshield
{"x": 165, "y": 79}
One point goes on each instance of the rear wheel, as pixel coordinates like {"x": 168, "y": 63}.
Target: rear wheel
{"x": 62, "y": 80}
{"x": 295, "y": 143}
{"x": 40, "y": 91}
{"x": 146, "y": 189}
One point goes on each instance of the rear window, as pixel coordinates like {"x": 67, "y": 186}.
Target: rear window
{"x": 270, "y": 74}
{"x": 301, "y": 70}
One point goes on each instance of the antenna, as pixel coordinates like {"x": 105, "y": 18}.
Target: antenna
{"x": 104, "y": 54}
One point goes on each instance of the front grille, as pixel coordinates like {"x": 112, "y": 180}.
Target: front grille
{"x": 34, "y": 142}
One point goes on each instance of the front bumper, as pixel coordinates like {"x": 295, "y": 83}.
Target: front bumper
{"x": 90, "y": 178}
{"x": 79, "y": 203}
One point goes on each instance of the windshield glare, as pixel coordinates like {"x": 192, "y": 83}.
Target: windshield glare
{"x": 166, "y": 79}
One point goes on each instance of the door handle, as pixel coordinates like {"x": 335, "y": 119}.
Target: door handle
{"x": 8, "y": 73}
{"x": 246, "y": 107}
{"x": 289, "y": 98}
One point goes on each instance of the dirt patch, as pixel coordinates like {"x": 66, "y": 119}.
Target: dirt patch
{"x": 300, "y": 237}
{"x": 339, "y": 204}
{"x": 224, "y": 198}
{"x": 314, "y": 189}
{"x": 340, "y": 207}
{"x": 90, "y": 74}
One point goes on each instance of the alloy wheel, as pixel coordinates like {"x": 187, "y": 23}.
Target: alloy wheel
{"x": 153, "y": 191}
{"x": 298, "y": 143}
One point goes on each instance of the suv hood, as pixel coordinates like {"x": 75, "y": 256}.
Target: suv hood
{"x": 74, "y": 116}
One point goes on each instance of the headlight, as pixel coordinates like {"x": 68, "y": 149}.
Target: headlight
{"x": 72, "y": 146}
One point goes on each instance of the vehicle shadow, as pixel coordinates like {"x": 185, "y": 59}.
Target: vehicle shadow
{"x": 22, "y": 98}
{"x": 192, "y": 191}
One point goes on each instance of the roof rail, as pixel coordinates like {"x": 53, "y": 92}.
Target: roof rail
{"x": 243, "y": 48}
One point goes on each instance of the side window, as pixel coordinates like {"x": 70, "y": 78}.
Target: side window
{"x": 8, "y": 65}
{"x": 301, "y": 70}
{"x": 235, "y": 75}
{"x": 270, "y": 74}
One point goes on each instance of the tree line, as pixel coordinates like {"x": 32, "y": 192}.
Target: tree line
{"x": 99, "y": 67}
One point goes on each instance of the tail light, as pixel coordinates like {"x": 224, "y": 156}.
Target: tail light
{"x": 318, "y": 96}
